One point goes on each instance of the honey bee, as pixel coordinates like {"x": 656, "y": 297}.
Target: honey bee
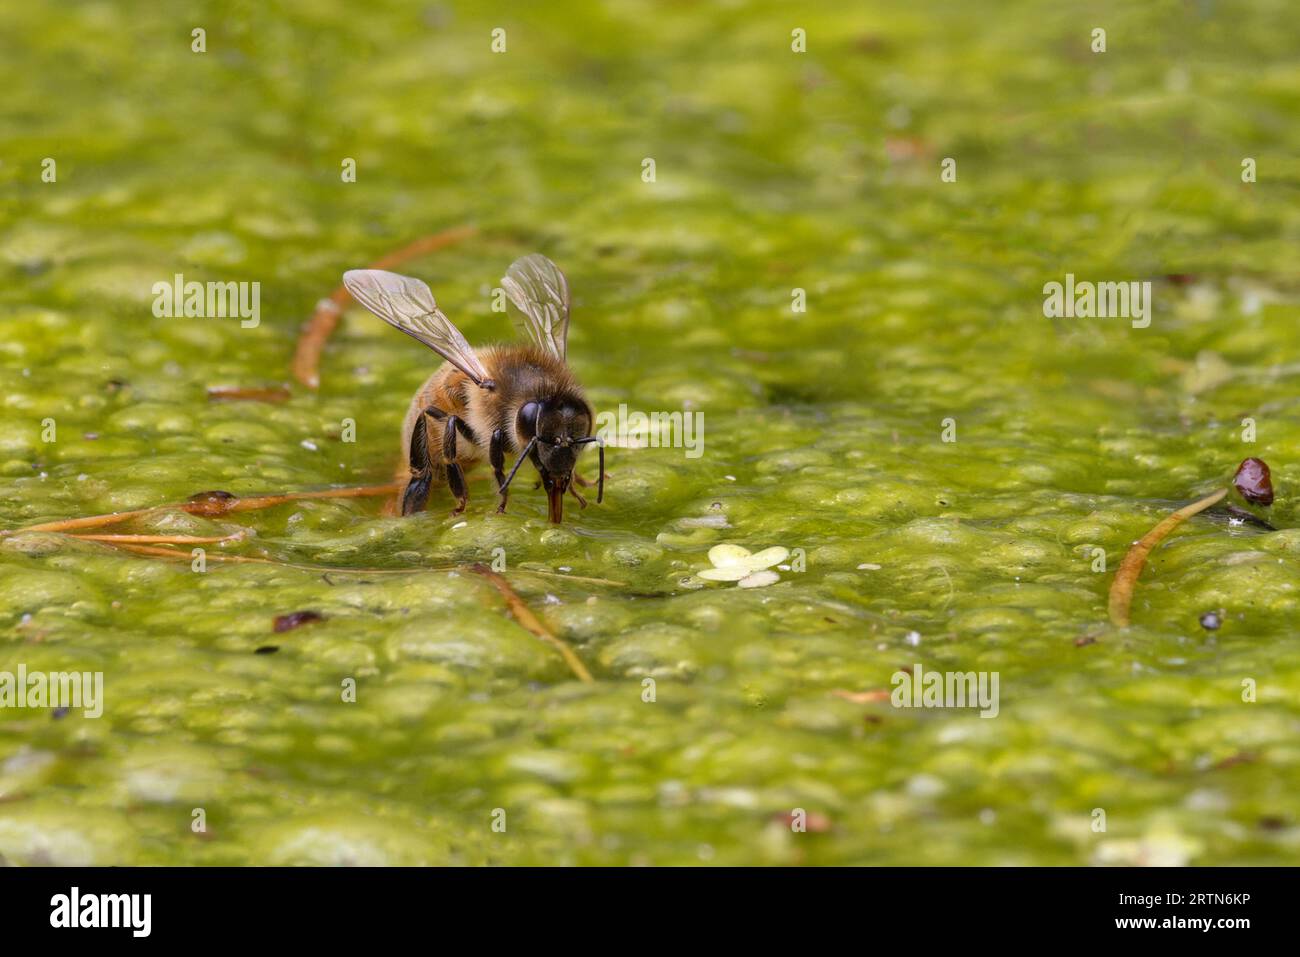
{"x": 496, "y": 402}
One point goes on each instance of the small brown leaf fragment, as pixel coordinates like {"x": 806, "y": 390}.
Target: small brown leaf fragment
{"x": 872, "y": 44}
{"x": 1232, "y": 760}
{"x": 1254, "y": 482}
{"x": 809, "y": 821}
{"x": 860, "y": 697}
{"x": 296, "y": 620}
{"x": 901, "y": 149}
{"x": 218, "y": 393}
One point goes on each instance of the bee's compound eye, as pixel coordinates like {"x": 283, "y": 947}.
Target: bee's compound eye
{"x": 526, "y": 421}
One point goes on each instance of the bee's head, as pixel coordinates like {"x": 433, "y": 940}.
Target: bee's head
{"x": 559, "y": 425}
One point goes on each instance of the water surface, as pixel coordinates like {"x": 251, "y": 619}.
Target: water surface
{"x": 824, "y": 429}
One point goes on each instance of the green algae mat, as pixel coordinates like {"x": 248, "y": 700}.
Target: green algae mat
{"x": 923, "y": 313}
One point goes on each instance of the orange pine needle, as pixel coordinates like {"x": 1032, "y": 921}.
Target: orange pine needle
{"x": 1121, "y": 589}
{"x": 524, "y": 615}
{"x": 317, "y": 331}
{"x": 208, "y": 504}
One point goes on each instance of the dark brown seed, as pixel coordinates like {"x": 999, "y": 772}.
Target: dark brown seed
{"x": 267, "y": 650}
{"x": 1254, "y": 482}
{"x": 296, "y": 619}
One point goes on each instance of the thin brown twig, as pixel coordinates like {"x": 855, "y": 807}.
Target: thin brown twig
{"x": 185, "y": 556}
{"x": 565, "y": 576}
{"x": 142, "y": 549}
{"x": 178, "y": 555}
{"x": 88, "y": 521}
{"x": 221, "y": 393}
{"x": 162, "y": 539}
{"x": 269, "y": 501}
{"x": 207, "y": 504}
{"x": 524, "y": 615}
{"x": 317, "y": 331}
{"x": 1121, "y": 589}
{"x": 216, "y": 504}
{"x": 250, "y": 559}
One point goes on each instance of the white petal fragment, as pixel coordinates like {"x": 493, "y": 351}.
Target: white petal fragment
{"x": 723, "y": 555}
{"x": 732, "y": 573}
{"x": 767, "y": 557}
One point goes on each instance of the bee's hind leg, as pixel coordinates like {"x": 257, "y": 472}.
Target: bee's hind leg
{"x": 415, "y": 497}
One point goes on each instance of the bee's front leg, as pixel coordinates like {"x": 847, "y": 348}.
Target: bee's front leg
{"x": 601, "y": 474}
{"x": 497, "y": 456}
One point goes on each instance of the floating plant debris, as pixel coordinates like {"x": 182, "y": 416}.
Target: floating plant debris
{"x": 1121, "y": 589}
{"x": 733, "y": 563}
{"x": 296, "y": 620}
{"x": 234, "y": 394}
{"x": 1254, "y": 481}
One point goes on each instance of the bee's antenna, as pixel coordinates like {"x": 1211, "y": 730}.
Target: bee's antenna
{"x": 522, "y": 455}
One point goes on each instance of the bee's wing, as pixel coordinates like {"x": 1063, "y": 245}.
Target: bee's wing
{"x": 539, "y": 289}
{"x": 408, "y": 304}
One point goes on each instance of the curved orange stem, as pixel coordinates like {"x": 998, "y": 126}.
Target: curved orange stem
{"x": 316, "y": 333}
{"x": 1121, "y": 589}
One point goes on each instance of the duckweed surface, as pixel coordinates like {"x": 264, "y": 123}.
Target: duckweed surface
{"x": 824, "y": 433}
